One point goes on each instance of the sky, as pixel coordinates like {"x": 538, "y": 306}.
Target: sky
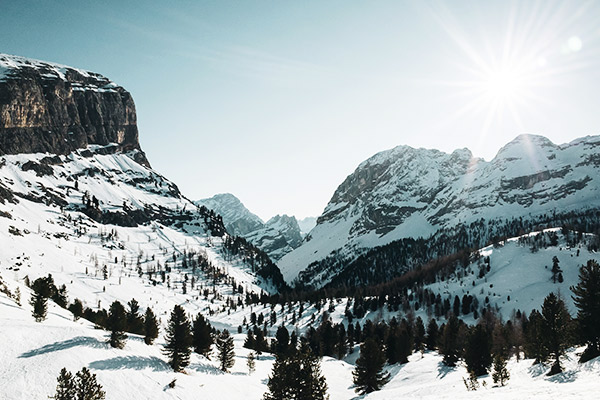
{"x": 278, "y": 102}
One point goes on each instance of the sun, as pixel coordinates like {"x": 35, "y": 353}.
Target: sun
{"x": 503, "y": 84}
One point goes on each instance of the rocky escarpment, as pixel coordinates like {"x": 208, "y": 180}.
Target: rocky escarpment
{"x": 46, "y": 107}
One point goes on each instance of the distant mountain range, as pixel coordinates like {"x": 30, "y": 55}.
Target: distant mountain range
{"x": 277, "y": 237}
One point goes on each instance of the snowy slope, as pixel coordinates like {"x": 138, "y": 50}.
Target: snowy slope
{"x": 406, "y": 192}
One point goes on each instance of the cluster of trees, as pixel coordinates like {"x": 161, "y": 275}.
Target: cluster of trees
{"x": 44, "y": 289}
{"x": 82, "y": 386}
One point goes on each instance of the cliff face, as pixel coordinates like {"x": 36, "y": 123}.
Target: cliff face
{"x": 47, "y": 107}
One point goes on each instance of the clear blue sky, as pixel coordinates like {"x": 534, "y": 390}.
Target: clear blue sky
{"x": 278, "y": 101}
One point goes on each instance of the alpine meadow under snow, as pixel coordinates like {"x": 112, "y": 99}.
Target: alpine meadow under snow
{"x": 438, "y": 261}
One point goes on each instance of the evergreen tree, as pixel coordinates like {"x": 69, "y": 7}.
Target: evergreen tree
{"x": 555, "y": 269}
{"x": 368, "y": 374}
{"x": 250, "y": 342}
{"x": 150, "y": 327}
{"x": 282, "y": 338}
{"x": 450, "y": 348}
{"x": 135, "y": 322}
{"x": 251, "y": 362}
{"x": 555, "y": 322}
{"x": 179, "y": 339}
{"x": 587, "y": 300}
{"x": 87, "y": 388}
{"x": 296, "y": 377}
{"x": 203, "y": 339}
{"x": 40, "y": 306}
{"x": 432, "y": 335}
{"x": 477, "y": 351}
{"x": 116, "y": 324}
{"x": 419, "y": 338}
{"x": 225, "y": 348}
{"x": 500, "y": 374}
{"x": 534, "y": 338}
{"x": 65, "y": 390}
{"x": 76, "y": 309}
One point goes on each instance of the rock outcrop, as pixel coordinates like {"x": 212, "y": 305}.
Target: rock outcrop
{"x": 51, "y": 108}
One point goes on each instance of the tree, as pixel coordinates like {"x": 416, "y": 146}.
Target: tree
{"x": 450, "y": 348}
{"x": 225, "y": 348}
{"x": 587, "y": 301}
{"x": 179, "y": 339}
{"x": 555, "y": 269}
{"x": 87, "y": 388}
{"x": 282, "y": 338}
{"x": 555, "y": 322}
{"x": 76, "y": 308}
{"x": 368, "y": 374}
{"x": 534, "y": 338}
{"x": 419, "y": 338}
{"x": 40, "y": 306}
{"x": 295, "y": 377}
{"x": 432, "y": 335}
{"x": 116, "y": 324}
{"x": 65, "y": 390}
{"x": 500, "y": 374}
{"x": 150, "y": 327}
{"x": 203, "y": 339}
{"x": 135, "y": 323}
{"x": 477, "y": 352}
{"x": 251, "y": 362}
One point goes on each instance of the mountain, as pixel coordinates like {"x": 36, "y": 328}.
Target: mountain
{"x": 277, "y": 237}
{"x": 72, "y": 171}
{"x": 421, "y": 194}
{"x": 47, "y": 107}
{"x": 237, "y": 218}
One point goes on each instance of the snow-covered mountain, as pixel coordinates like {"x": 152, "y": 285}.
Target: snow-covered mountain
{"x": 72, "y": 171}
{"x": 237, "y": 218}
{"x": 277, "y": 237}
{"x": 414, "y": 193}
{"x": 306, "y": 225}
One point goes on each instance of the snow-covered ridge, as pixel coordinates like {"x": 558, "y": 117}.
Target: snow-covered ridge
{"x": 406, "y": 192}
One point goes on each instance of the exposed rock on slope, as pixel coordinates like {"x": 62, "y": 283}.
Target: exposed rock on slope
{"x": 46, "y": 107}
{"x": 237, "y": 218}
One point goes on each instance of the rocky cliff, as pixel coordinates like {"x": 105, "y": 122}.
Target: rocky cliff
{"x": 46, "y": 107}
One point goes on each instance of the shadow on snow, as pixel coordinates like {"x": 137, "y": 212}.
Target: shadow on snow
{"x": 66, "y": 344}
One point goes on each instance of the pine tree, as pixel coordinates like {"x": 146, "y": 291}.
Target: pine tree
{"x": 282, "y": 338}
{"x": 555, "y": 269}
{"x": 432, "y": 335}
{"x": 251, "y": 362}
{"x": 500, "y": 374}
{"x": 555, "y": 322}
{"x": 225, "y": 348}
{"x": 419, "y": 338}
{"x": 117, "y": 324}
{"x": 296, "y": 377}
{"x": 534, "y": 338}
{"x": 40, "y": 306}
{"x": 477, "y": 352}
{"x": 368, "y": 374}
{"x": 587, "y": 301}
{"x": 150, "y": 327}
{"x": 87, "y": 388}
{"x": 203, "y": 339}
{"x": 135, "y": 323}
{"x": 65, "y": 390}
{"x": 450, "y": 348}
{"x": 76, "y": 309}
{"x": 179, "y": 339}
